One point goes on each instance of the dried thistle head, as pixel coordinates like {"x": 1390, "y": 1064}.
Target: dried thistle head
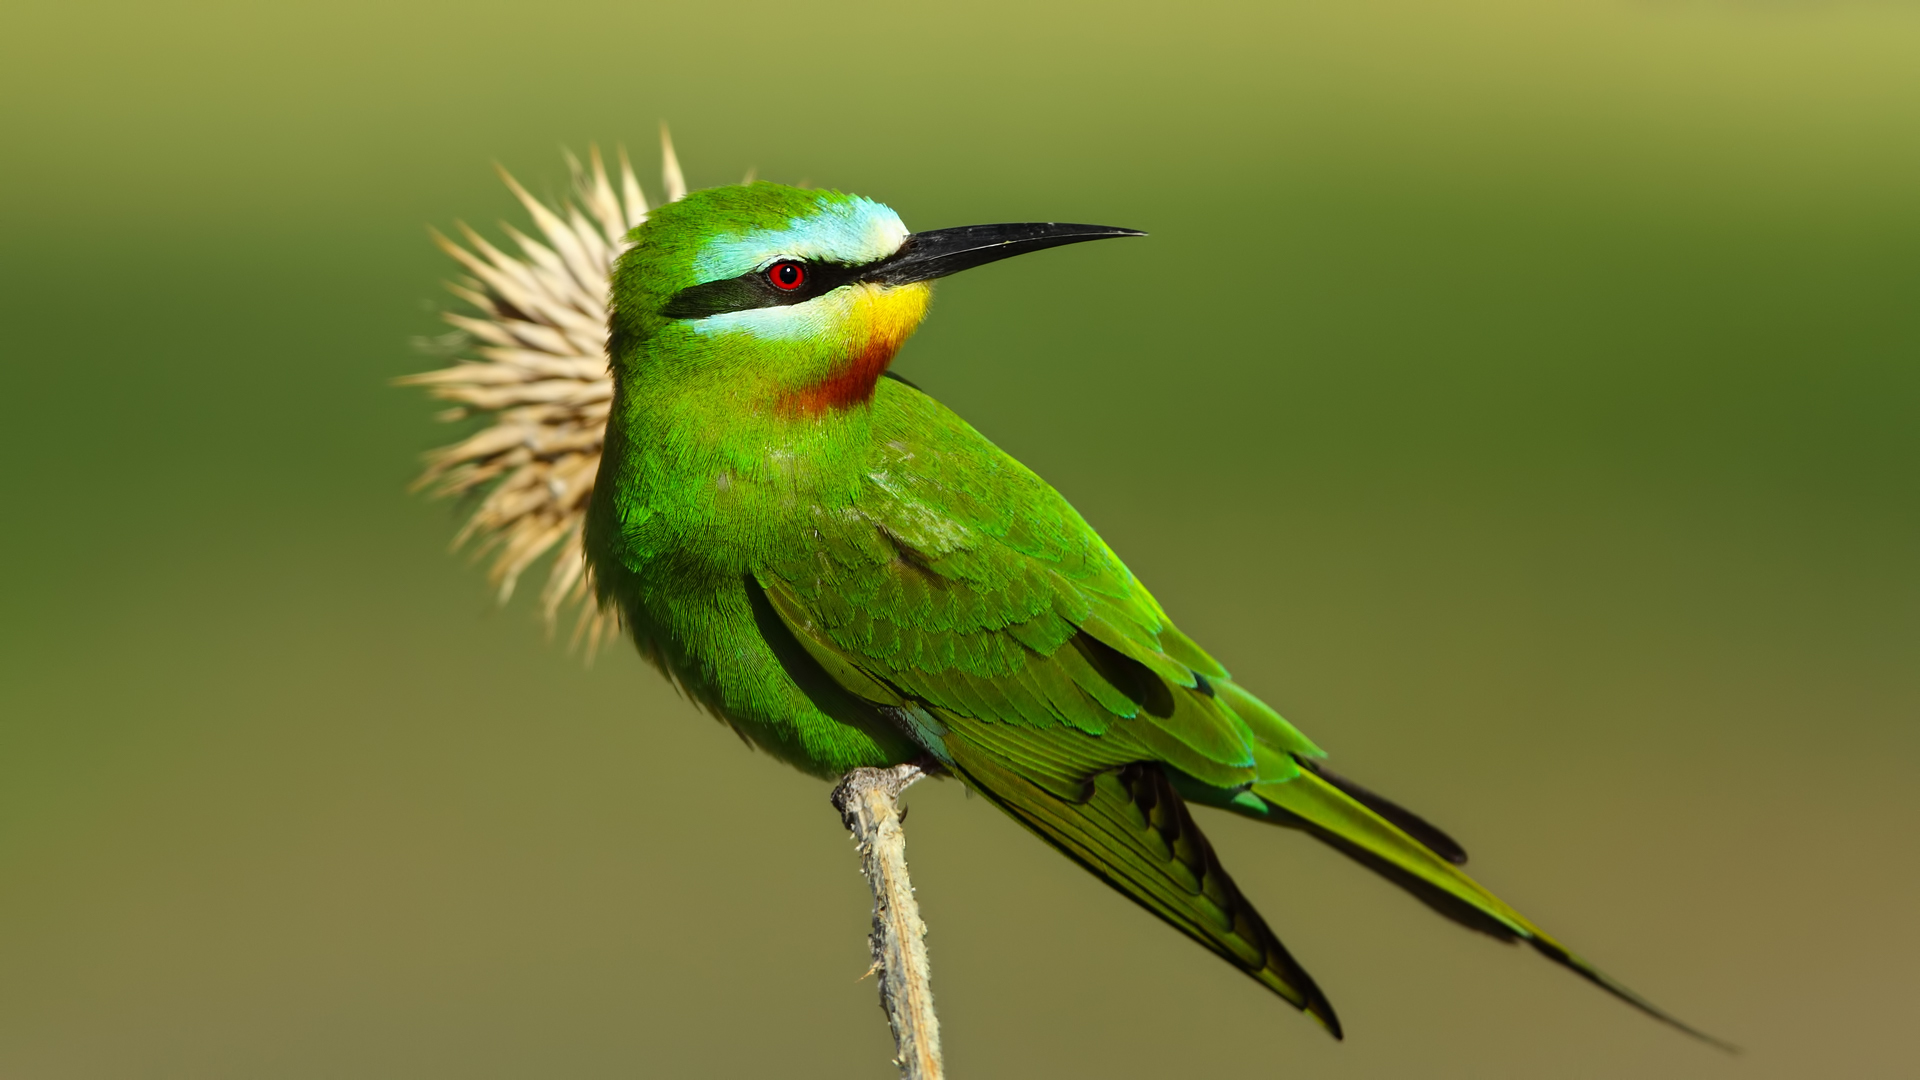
{"x": 538, "y": 375}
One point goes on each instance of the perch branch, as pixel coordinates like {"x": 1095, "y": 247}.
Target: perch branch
{"x": 868, "y": 803}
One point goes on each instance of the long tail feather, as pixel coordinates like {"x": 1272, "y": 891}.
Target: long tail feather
{"x": 1427, "y": 833}
{"x": 1346, "y": 821}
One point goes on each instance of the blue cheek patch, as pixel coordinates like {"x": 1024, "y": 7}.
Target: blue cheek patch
{"x": 810, "y": 321}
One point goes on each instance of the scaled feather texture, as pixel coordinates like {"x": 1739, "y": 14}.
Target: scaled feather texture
{"x": 538, "y": 378}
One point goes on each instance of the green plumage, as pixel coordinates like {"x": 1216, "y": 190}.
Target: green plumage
{"x": 850, "y": 575}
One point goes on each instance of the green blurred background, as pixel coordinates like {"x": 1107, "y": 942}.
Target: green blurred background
{"x": 1521, "y": 397}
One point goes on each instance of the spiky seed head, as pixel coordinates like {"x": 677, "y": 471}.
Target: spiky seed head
{"x": 537, "y": 377}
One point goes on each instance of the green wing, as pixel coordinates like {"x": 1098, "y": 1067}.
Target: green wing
{"x": 1104, "y": 797}
{"x": 962, "y": 594}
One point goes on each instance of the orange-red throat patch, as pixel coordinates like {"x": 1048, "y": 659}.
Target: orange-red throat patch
{"x": 878, "y": 320}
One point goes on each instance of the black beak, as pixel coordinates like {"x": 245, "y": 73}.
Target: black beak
{"x": 928, "y": 255}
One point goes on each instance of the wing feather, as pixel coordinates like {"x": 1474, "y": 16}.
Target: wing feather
{"x": 960, "y": 595}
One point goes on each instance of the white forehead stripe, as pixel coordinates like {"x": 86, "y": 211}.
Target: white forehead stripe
{"x": 850, "y": 231}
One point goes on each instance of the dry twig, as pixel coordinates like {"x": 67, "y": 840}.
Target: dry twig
{"x": 868, "y": 801}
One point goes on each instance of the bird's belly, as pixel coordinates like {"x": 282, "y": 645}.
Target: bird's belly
{"x": 709, "y": 628}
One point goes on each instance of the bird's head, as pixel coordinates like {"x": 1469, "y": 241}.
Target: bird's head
{"x": 789, "y": 300}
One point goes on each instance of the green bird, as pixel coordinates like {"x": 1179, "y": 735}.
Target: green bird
{"x": 849, "y": 575}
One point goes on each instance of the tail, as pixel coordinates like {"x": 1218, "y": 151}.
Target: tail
{"x": 1402, "y": 847}
{"x": 1131, "y": 829}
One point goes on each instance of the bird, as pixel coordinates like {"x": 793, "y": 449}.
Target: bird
{"x": 837, "y": 566}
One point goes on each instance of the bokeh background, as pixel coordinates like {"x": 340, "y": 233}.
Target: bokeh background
{"x": 1522, "y": 397}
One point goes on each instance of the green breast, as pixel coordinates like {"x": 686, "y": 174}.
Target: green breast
{"x": 685, "y": 510}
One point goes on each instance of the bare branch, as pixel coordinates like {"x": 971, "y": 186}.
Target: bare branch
{"x": 868, "y": 801}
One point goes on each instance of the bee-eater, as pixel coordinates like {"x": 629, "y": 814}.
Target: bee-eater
{"x": 845, "y": 572}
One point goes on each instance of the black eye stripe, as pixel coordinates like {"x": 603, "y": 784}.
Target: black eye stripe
{"x": 753, "y": 290}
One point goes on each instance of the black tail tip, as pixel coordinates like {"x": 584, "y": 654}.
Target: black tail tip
{"x": 1559, "y": 955}
{"x": 1322, "y": 1010}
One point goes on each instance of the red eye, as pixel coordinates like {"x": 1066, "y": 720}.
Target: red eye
{"x": 787, "y": 276}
